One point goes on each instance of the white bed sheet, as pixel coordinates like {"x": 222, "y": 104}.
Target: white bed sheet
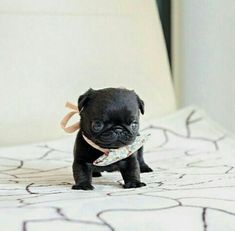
{"x": 192, "y": 186}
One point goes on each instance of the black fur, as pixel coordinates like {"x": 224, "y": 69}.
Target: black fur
{"x": 117, "y": 111}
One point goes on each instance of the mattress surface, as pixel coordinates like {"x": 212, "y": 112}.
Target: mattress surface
{"x": 191, "y": 188}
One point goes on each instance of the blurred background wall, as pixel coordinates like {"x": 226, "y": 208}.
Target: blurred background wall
{"x": 204, "y": 56}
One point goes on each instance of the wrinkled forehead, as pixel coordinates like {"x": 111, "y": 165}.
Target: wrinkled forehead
{"x": 114, "y": 107}
{"x": 116, "y": 99}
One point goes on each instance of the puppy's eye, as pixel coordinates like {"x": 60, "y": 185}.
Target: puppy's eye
{"x": 134, "y": 126}
{"x": 97, "y": 125}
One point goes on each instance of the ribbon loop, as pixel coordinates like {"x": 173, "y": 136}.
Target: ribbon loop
{"x": 65, "y": 120}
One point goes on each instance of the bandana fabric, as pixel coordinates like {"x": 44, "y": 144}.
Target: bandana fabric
{"x": 121, "y": 153}
{"x": 110, "y": 155}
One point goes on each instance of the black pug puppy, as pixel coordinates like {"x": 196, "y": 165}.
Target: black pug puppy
{"x": 109, "y": 118}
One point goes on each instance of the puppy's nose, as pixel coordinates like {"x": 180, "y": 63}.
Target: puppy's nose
{"x": 118, "y": 129}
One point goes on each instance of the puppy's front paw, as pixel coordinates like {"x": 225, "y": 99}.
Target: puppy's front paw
{"x": 134, "y": 184}
{"x": 83, "y": 186}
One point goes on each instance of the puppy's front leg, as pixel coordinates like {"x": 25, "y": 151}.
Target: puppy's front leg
{"x": 82, "y": 173}
{"x": 130, "y": 171}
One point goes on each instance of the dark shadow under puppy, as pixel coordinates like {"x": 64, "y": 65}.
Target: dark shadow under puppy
{"x": 110, "y": 119}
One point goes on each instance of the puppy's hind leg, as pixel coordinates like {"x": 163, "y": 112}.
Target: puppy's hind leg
{"x": 96, "y": 174}
{"x": 143, "y": 166}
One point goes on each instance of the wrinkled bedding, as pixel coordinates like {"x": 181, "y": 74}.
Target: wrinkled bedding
{"x": 191, "y": 188}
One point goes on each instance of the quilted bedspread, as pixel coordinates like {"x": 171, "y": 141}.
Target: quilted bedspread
{"x": 191, "y": 188}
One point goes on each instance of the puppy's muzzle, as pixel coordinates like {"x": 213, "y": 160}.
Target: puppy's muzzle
{"x": 115, "y": 138}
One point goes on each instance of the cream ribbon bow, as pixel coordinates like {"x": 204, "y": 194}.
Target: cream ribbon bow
{"x": 65, "y": 120}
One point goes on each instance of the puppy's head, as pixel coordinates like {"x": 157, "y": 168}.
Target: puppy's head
{"x": 110, "y": 116}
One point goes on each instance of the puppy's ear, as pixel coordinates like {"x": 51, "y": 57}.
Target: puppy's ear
{"x": 83, "y": 99}
{"x": 141, "y": 104}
